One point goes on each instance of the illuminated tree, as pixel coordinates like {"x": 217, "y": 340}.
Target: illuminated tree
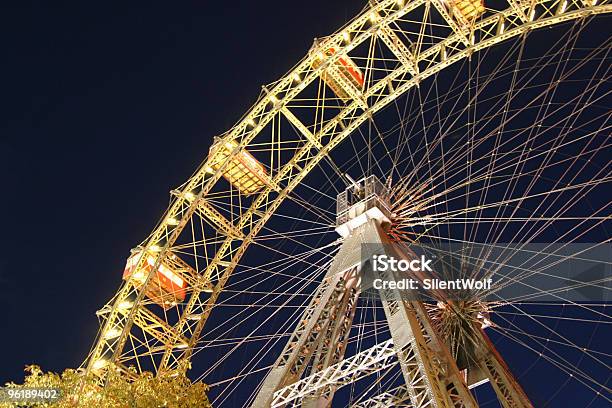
{"x": 168, "y": 389}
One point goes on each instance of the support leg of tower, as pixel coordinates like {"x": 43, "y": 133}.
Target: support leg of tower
{"x": 430, "y": 373}
{"x": 431, "y": 376}
{"x": 509, "y": 392}
{"x": 304, "y": 341}
{"x": 331, "y": 349}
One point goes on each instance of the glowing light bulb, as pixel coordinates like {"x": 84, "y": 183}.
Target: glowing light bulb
{"x": 112, "y": 333}
{"x": 99, "y": 364}
{"x": 124, "y": 305}
{"x": 139, "y": 276}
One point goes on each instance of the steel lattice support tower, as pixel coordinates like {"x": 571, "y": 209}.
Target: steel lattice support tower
{"x": 430, "y": 373}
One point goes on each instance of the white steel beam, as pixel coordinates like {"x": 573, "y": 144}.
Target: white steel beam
{"x": 346, "y": 371}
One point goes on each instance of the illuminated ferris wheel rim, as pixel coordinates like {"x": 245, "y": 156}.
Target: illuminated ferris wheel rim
{"x": 270, "y": 104}
{"x": 416, "y": 65}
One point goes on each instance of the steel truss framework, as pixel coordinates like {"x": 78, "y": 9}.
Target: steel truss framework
{"x": 430, "y": 373}
{"x": 210, "y": 224}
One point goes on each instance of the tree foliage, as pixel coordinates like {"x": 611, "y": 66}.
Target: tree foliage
{"x": 172, "y": 390}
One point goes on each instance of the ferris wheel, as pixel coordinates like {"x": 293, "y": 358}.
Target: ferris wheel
{"x": 423, "y": 122}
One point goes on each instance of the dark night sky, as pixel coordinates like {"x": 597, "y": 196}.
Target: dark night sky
{"x": 106, "y": 108}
